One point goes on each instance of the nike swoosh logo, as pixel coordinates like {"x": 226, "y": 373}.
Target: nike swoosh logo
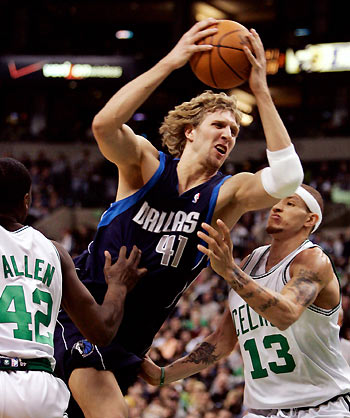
{"x": 28, "y": 69}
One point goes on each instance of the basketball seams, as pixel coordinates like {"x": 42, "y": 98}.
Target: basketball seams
{"x": 211, "y": 65}
{"x": 226, "y": 64}
{"x": 225, "y": 35}
{"x": 228, "y": 47}
{"x": 229, "y": 66}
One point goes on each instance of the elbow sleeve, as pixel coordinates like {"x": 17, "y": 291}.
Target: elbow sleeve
{"x": 285, "y": 173}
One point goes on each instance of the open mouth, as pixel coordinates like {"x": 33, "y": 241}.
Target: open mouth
{"x": 221, "y": 149}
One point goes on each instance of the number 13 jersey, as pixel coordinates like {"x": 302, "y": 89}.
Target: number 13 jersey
{"x": 300, "y": 366}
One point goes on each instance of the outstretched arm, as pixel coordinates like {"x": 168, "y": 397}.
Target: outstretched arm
{"x": 217, "y": 345}
{"x": 99, "y": 323}
{"x": 246, "y": 191}
{"x": 118, "y": 142}
{"x": 311, "y": 274}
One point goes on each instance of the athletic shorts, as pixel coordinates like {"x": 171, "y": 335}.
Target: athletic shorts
{"x": 73, "y": 351}
{"x": 339, "y": 408}
{"x": 32, "y": 394}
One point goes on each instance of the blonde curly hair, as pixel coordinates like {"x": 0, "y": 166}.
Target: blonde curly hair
{"x": 192, "y": 113}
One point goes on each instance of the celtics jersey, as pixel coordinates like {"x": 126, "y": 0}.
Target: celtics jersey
{"x": 300, "y": 366}
{"x": 30, "y": 293}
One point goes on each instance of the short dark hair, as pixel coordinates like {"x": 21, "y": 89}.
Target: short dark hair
{"x": 316, "y": 194}
{"x": 15, "y": 182}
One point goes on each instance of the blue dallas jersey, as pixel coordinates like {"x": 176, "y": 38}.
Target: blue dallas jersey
{"x": 164, "y": 225}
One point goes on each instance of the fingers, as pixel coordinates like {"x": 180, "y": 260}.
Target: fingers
{"x": 142, "y": 271}
{"x": 203, "y": 34}
{"x": 135, "y": 255}
{"x": 122, "y": 252}
{"x": 215, "y": 235}
{"x": 211, "y": 231}
{"x": 225, "y": 232}
{"x": 204, "y": 250}
{"x": 207, "y": 238}
{"x": 216, "y": 239}
{"x": 256, "y": 38}
{"x": 249, "y": 55}
{"x": 257, "y": 46}
{"x": 202, "y": 24}
{"x": 213, "y": 247}
{"x": 208, "y": 252}
{"x": 108, "y": 259}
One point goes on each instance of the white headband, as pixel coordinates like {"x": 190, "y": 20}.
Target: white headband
{"x": 311, "y": 203}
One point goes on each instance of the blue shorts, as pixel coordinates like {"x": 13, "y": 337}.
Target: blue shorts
{"x": 73, "y": 351}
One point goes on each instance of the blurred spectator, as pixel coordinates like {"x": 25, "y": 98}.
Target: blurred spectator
{"x": 218, "y": 390}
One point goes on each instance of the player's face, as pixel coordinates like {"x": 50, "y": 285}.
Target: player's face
{"x": 215, "y": 137}
{"x": 289, "y": 214}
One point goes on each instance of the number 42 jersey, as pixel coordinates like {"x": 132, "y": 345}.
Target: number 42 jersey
{"x": 30, "y": 293}
{"x": 164, "y": 225}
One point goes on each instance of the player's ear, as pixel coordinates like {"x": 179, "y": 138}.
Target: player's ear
{"x": 311, "y": 220}
{"x": 27, "y": 200}
{"x": 189, "y": 132}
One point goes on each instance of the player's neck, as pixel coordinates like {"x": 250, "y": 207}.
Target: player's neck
{"x": 281, "y": 247}
{"x": 191, "y": 174}
{"x": 10, "y": 223}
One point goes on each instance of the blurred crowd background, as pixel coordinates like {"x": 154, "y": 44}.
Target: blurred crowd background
{"x": 77, "y": 182}
{"x": 45, "y": 122}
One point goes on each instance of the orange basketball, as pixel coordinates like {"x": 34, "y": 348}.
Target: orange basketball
{"x": 226, "y": 65}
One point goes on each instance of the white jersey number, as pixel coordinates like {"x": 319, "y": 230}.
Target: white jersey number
{"x": 19, "y": 315}
{"x": 165, "y": 247}
{"x": 282, "y": 352}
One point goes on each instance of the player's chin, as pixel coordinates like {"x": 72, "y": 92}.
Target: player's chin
{"x": 218, "y": 160}
{"x": 271, "y": 229}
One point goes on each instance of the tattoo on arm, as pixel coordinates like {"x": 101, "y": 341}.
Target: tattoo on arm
{"x": 274, "y": 300}
{"x": 240, "y": 279}
{"x": 304, "y": 287}
{"x": 203, "y": 354}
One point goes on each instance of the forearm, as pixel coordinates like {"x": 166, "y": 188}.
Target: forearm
{"x": 102, "y": 321}
{"x": 271, "y": 305}
{"x": 276, "y": 134}
{"x": 129, "y": 98}
{"x": 113, "y": 307}
{"x": 206, "y": 354}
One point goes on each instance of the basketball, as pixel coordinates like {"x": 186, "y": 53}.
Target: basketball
{"x": 226, "y": 65}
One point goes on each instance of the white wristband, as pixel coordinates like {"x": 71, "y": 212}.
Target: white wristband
{"x": 285, "y": 173}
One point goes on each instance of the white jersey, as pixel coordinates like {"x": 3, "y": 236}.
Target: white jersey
{"x": 30, "y": 293}
{"x": 301, "y": 366}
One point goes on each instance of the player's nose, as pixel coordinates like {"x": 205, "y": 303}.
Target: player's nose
{"x": 226, "y": 132}
{"x": 277, "y": 207}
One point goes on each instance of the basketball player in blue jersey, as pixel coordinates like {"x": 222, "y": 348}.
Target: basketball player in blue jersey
{"x": 37, "y": 276}
{"x": 161, "y": 201}
{"x": 284, "y": 304}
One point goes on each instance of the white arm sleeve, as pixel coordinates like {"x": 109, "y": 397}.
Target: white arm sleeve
{"x": 285, "y": 173}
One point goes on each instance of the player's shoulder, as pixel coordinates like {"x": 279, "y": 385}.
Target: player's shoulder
{"x": 313, "y": 259}
{"x": 233, "y": 183}
{"x": 240, "y": 177}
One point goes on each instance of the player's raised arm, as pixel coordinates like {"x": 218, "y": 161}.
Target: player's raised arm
{"x": 285, "y": 172}
{"x": 117, "y": 142}
{"x": 99, "y": 323}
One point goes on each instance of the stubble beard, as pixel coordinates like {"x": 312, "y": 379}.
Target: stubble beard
{"x": 273, "y": 229}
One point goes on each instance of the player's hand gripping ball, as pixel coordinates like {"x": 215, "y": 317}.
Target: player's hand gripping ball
{"x": 225, "y": 66}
